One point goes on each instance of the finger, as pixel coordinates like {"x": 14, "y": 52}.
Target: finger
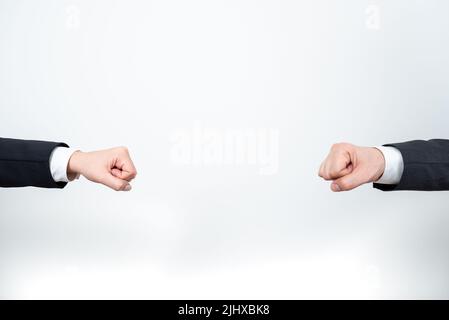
{"x": 126, "y": 169}
{"x": 337, "y": 167}
{"x": 115, "y": 183}
{"x": 333, "y": 171}
{"x": 348, "y": 182}
{"x": 325, "y": 169}
{"x": 124, "y": 175}
{"x": 321, "y": 170}
{"x": 346, "y": 170}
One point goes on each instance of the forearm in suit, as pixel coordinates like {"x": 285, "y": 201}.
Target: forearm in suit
{"x": 25, "y": 163}
{"x": 426, "y": 166}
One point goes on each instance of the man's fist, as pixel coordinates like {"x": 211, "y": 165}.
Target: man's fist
{"x": 113, "y": 167}
{"x": 349, "y": 166}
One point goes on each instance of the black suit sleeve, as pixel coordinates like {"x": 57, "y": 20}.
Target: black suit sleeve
{"x": 426, "y": 166}
{"x": 25, "y": 163}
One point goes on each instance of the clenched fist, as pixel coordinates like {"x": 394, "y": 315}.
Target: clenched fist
{"x": 349, "y": 166}
{"x": 113, "y": 167}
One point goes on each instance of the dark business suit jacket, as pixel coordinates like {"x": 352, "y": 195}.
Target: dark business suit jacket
{"x": 26, "y": 163}
{"x": 426, "y": 166}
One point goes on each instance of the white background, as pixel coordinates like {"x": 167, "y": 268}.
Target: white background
{"x": 97, "y": 74}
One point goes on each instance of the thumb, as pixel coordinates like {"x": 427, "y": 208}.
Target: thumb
{"x": 348, "y": 182}
{"x": 116, "y": 183}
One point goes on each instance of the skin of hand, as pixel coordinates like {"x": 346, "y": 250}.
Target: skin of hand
{"x": 112, "y": 167}
{"x": 349, "y": 166}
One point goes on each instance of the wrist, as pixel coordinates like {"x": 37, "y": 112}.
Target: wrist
{"x": 75, "y": 165}
{"x": 380, "y": 164}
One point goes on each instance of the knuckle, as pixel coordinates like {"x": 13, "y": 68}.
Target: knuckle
{"x": 336, "y": 146}
{"x": 331, "y": 175}
{"x": 320, "y": 172}
{"x": 340, "y": 146}
{"x": 122, "y": 149}
{"x": 326, "y": 175}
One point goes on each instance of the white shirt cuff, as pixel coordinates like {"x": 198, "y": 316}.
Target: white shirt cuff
{"x": 394, "y": 166}
{"x": 59, "y": 160}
